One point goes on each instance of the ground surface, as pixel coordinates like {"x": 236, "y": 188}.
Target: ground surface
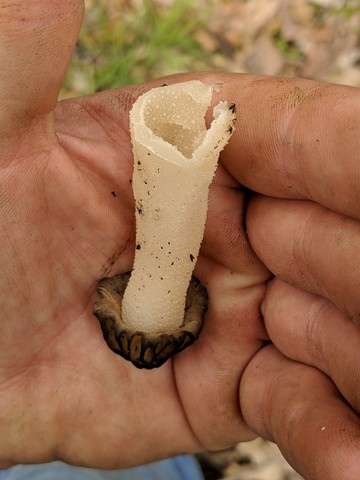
{"x": 128, "y": 41}
{"x": 124, "y": 41}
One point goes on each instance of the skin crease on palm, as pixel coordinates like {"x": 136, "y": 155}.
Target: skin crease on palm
{"x": 66, "y": 213}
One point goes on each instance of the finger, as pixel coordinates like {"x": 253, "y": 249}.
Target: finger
{"x": 303, "y": 413}
{"x": 310, "y": 247}
{"x": 296, "y": 139}
{"x": 36, "y": 42}
{"x": 310, "y": 329}
{"x": 225, "y": 241}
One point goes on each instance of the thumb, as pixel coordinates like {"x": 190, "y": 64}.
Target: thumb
{"x": 37, "y": 38}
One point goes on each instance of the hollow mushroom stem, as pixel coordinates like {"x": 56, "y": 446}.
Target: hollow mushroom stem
{"x": 175, "y": 159}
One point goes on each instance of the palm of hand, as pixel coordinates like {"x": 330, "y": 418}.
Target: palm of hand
{"x": 68, "y": 221}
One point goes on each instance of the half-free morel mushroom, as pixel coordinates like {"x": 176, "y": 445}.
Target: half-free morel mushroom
{"x": 159, "y": 310}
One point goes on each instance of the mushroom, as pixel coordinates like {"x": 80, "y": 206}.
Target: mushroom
{"x": 157, "y": 310}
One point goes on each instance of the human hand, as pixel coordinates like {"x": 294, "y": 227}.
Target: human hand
{"x": 302, "y": 157}
{"x": 67, "y": 220}
{"x": 62, "y": 389}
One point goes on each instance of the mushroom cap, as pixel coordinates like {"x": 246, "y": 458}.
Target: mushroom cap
{"x": 147, "y": 350}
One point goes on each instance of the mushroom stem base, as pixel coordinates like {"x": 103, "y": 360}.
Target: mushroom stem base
{"x": 147, "y": 350}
